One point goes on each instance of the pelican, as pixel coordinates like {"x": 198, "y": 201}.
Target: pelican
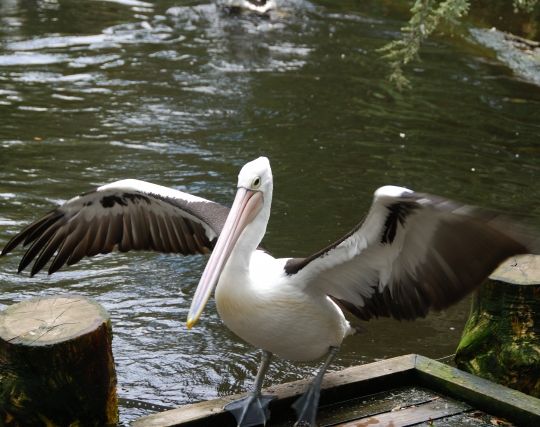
{"x": 412, "y": 253}
{"x": 260, "y": 7}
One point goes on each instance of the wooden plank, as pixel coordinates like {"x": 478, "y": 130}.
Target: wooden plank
{"x": 429, "y": 411}
{"x": 470, "y": 418}
{"x": 487, "y": 396}
{"x": 374, "y": 404}
{"x": 336, "y": 386}
{"x": 363, "y": 380}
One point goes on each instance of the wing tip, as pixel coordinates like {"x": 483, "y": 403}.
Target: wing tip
{"x": 392, "y": 191}
{"x": 11, "y": 244}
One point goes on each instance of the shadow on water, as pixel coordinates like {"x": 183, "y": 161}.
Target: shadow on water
{"x": 182, "y": 94}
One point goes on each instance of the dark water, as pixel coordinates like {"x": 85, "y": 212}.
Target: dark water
{"x": 181, "y": 94}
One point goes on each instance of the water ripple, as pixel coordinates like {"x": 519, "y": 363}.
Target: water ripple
{"x": 25, "y": 58}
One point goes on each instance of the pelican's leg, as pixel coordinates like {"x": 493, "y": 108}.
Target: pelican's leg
{"x": 253, "y": 410}
{"x": 306, "y": 406}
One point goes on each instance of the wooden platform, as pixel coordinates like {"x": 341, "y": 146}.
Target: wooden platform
{"x": 402, "y": 391}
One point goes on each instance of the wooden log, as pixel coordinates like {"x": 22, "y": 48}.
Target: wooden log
{"x": 501, "y": 339}
{"x": 56, "y": 364}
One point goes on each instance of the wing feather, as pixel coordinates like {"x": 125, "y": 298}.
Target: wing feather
{"x": 98, "y": 230}
{"x": 29, "y": 230}
{"x": 78, "y": 252}
{"x": 187, "y": 233}
{"x": 48, "y": 250}
{"x": 37, "y": 245}
{"x": 72, "y": 237}
{"x": 178, "y": 227}
{"x": 165, "y": 236}
{"x": 124, "y": 215}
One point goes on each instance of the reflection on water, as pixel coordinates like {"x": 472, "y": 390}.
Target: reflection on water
{"x": 182, "y": 94}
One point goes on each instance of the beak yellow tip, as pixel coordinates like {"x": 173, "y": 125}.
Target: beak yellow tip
{"x": 190, "y": 322}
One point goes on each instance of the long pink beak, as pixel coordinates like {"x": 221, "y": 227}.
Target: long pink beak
{"x": 246, "y": 206}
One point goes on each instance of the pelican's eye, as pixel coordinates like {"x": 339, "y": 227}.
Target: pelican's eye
{"x": 256, "y": 183}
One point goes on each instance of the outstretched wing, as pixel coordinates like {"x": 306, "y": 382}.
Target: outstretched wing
{"x": 124, "y": 215}
{"x": 414, "y": 252}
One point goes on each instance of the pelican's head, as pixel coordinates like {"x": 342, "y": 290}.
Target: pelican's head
{"x": 254, "y": 193}
{"x": 256, "y": 176}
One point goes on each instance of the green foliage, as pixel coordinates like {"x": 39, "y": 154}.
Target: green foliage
{"x": 525, "y": 5}
{"x": 426, "y": 17}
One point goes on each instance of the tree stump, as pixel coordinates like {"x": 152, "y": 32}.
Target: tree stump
{"x": 56, "y": 364}
{"x": 501, "y": 340}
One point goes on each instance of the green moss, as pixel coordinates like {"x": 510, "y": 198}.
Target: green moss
{"x": 500, "y": 340}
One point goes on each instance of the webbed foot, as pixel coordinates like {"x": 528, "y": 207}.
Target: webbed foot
{"x": 306, "y": 407}
{"x": 252, "y": 410}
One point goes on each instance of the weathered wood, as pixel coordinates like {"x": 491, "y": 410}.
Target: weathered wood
{"x": 373, "y": 404}
{"x": 411, "y": 415}
{"x": 501, "y": 340}
{"x": 360, "y": 381}
{"x": 56, "y": 364}
{"x": 336, "y": 385}
{"x": 483, "y": 394}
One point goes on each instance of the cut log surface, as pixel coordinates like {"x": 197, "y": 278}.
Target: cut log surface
{"x": 501, "y": 340}
{"x": 521, "y": 270}
{"x": 56, "y": 363}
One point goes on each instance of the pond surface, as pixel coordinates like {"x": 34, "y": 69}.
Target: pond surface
{"x": 182, "y": 94}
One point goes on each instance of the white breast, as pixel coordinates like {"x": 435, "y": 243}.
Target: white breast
{"x": 266, "y": 308}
